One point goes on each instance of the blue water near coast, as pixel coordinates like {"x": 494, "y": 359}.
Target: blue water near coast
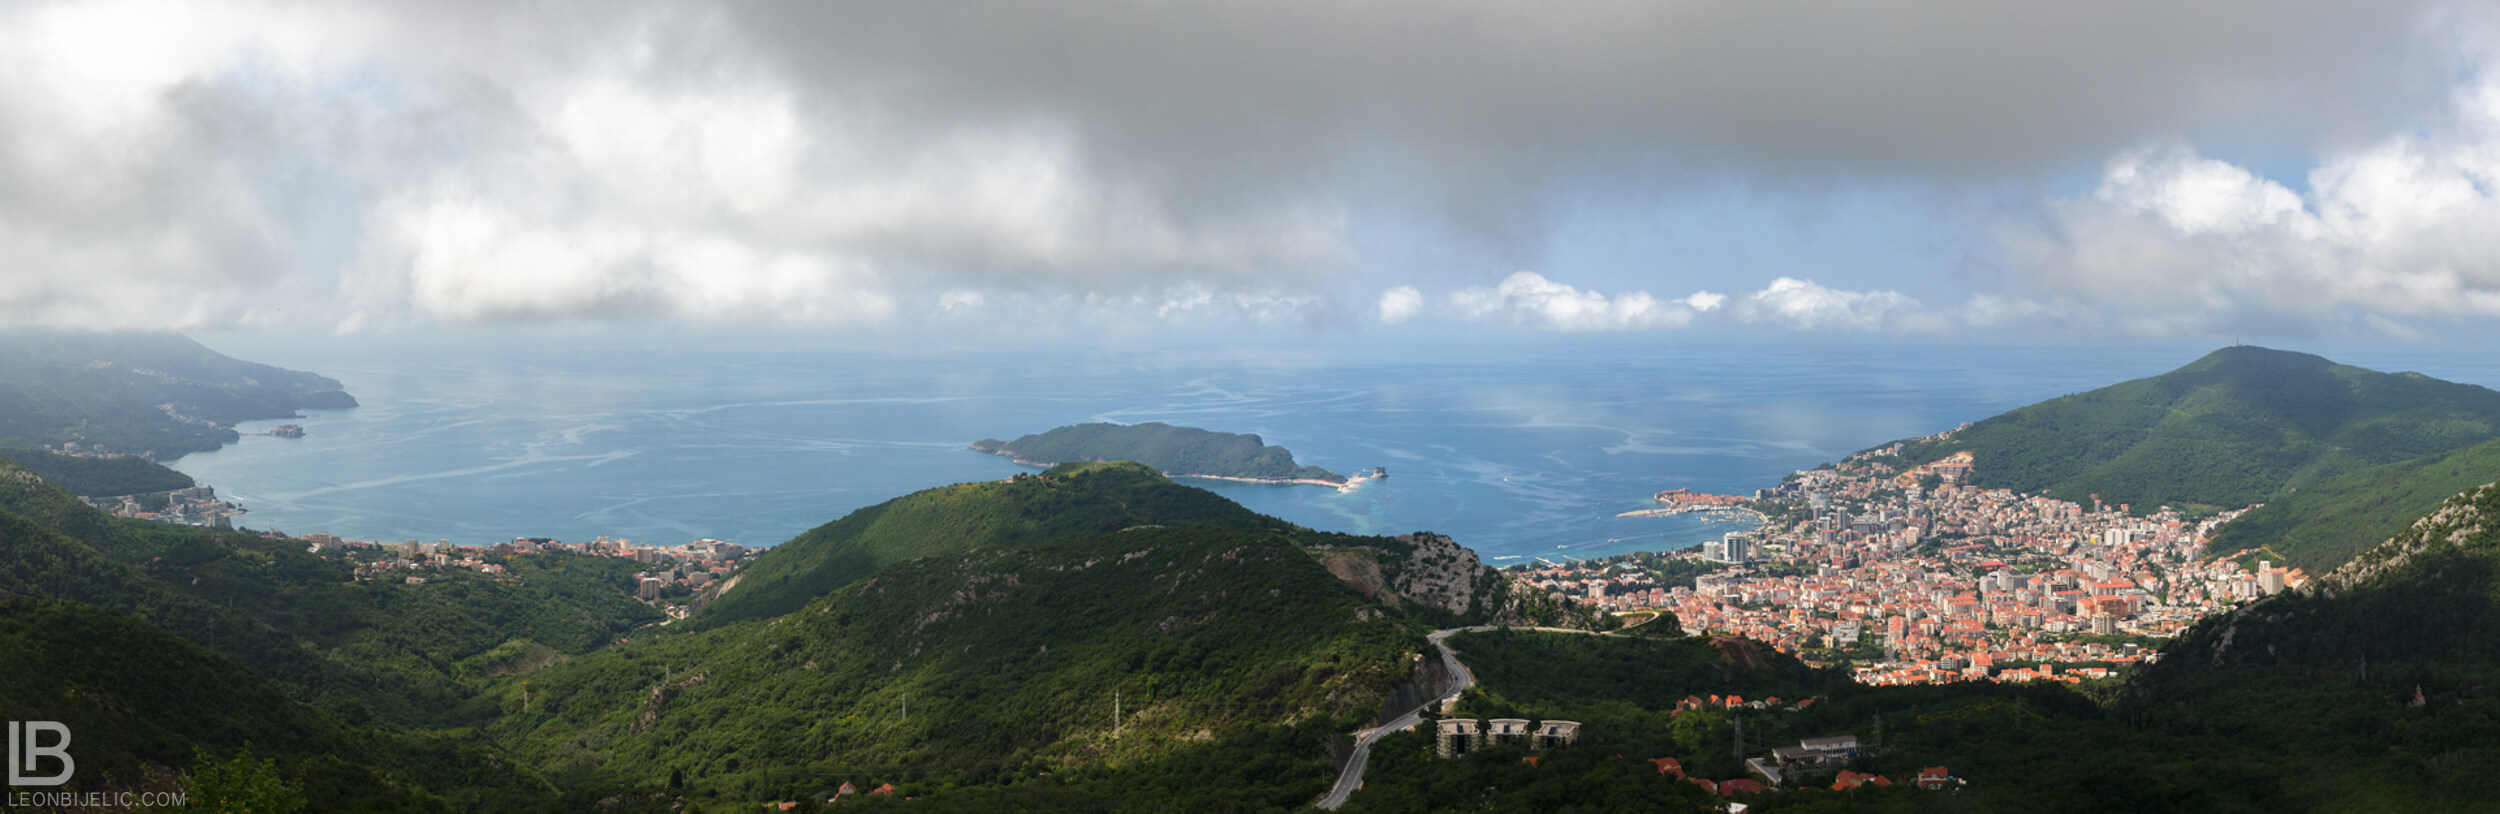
{"x": 1520, "y": 455}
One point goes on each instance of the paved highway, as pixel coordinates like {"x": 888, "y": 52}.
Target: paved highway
{"x": 1460, "y": 680}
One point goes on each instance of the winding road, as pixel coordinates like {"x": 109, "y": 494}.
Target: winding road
{"x": 1460, "y": 680}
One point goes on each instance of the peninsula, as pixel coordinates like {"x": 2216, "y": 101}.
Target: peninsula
{"x": 1186, "y": 452}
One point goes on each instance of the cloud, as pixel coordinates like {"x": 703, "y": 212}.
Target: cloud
{"x": 1528, "y": 299}
{"x": 1805, "y": 305}
{"x": 1400, "y": 304}
{"x": 383, "y": 165}
{"x": 2182, "y": 243}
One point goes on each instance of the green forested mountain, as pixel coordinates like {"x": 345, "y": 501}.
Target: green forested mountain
{"x": 1014, "y": 662}
{"x": 1179, "y": 451}
{"x": 2322, "y": 525}
{"x": 1067, "y": 501}
{"x": 155, "y": 394}
{"x": 2239, "y": 426}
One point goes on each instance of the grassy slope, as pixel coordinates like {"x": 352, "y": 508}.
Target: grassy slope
{"x": 1178, "y": 450}
{"x": 2233, "y": 428}
{"x": 1069, "y": 501}
{"x": 2326, "y": 523}
{"x": 1011, "y": 657}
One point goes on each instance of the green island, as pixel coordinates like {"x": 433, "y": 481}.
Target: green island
{"x": 1186, "y": 452}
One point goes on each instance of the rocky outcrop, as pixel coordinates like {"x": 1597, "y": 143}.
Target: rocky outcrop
{"x": 1438, "y": 572}
{"x": 2456, "y": 523}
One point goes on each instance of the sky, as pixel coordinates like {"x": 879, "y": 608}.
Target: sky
{"x": 1349, "y": 171}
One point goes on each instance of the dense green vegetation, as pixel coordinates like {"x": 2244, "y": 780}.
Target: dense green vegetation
{"x": 1180, "y": 451}
{"x": 104, "y": 391}
{"x": 380, "y": 652}
{"x": 147, "y": 700}
{"x": 1067, "y": 501}
{"x": 2237, "y": 427}
{"x": 98, "y": 477}
{"x": 1013, "y": 661}
{"x": 2323, "y": 524}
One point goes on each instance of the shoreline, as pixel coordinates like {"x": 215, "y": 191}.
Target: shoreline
{"x": 1708, "y": 512}
{"x": 1345, "y": 487}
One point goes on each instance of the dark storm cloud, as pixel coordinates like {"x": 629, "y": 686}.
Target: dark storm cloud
{"x": 1216, "y": 100}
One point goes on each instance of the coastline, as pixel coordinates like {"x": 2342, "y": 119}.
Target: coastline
{"x": 1347, "y": 486}
{"x": 1711, "y": 512}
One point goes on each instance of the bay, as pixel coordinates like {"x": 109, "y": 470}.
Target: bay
{"x": 1519, "y": 453}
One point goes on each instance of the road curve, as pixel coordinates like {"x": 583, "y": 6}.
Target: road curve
{"x": 1460, "y": 679}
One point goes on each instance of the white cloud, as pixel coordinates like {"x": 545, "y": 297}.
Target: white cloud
{"x": 1528, "y": 299}
{"x": 2406, "y": 226}
{"x": 1400, "y": 304}
{"x": 377, "y": 167}
{"x": 1806, "y": 305}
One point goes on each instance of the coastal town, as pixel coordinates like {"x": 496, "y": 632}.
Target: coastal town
{"x": 1912, "y": 576}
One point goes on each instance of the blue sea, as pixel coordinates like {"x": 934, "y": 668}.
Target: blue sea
{"x": 1523, "y": 453}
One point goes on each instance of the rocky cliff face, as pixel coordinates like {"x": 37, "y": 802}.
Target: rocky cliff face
{"x": 2457, "y": 523}
{"x": 1440, "y": 573}
{"x": 2428, "y": 596}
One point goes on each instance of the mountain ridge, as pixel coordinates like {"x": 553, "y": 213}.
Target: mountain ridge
{"x": 2233, "y": 428}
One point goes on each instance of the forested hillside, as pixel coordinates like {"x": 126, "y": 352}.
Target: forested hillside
{"x": 2324, "y": 524}
{"x": 1067, "y": 501}
{"x": 2239, "y": 426}
{"x": 142, "y": 703}
{"x": 98, "y": 477}
{"x": 158, "y": 395}
{"x": 1015, "y": 663}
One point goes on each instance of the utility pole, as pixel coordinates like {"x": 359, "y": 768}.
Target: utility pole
{"x": 906, "y": 706}
{"x": 1115, "y": 714}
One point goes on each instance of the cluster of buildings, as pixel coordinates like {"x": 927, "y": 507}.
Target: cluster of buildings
{"x": 1455, "y": 737}
{"x": 195, "y": 506}
{"x": 1917, "y": 577}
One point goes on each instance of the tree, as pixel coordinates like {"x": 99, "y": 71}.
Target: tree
{"x": 241, "y": 784}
